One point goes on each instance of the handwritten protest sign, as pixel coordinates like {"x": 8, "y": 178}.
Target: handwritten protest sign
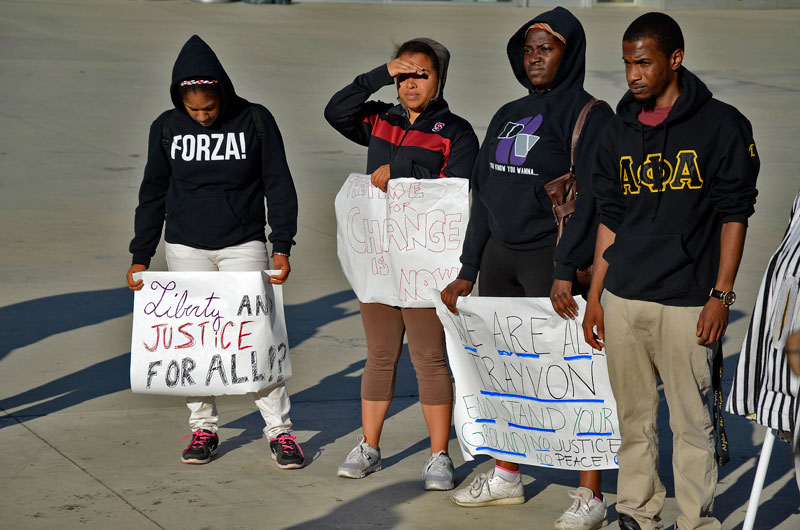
{"x": 208, "y": 333}
{"x": 395, "y": 246}
{"x": 528, "y": 387}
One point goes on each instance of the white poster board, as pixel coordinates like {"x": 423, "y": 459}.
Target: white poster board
{"x": 529, "y": 389}
{"x": 208, "y": 334}
{"x": 395, "y": 246}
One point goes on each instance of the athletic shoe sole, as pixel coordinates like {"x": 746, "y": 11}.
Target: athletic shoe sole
{"x": 493, "y": 502}
{"x": 355, "y": 473}
{"x": 286, "y": 466}
{"x": 579, "y": 527}
{"x": 438, "y": 485}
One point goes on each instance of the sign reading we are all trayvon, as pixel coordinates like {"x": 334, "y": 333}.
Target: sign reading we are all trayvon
{"x": 529, "y": 389}
{"x": 208, "y": 334}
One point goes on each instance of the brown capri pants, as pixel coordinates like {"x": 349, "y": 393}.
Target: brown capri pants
{"x": 384, "y": 327}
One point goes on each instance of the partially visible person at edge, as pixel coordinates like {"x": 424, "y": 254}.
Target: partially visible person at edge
{"x": 418, "y": 138}
{"x": 674, "y": 181}
{"x": 511, "y": 236}
{"x": 210, "y": 203}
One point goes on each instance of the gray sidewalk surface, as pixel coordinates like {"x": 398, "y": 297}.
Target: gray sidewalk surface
{"x": 80, "y": 82}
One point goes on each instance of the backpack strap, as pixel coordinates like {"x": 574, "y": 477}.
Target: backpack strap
{"x": 166, "y": 131}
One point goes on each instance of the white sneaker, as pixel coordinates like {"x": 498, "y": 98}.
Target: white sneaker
{"x": 361, "y": 461}
{"x": 586, "y": 512}
{"x": 489, "y": 491}
{"x": 438, "y": 473}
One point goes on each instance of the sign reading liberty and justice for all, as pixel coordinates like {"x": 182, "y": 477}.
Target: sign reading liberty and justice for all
{"x": 395, "y": 246}
{"x": 529, "y": 389}
{"x": 208, "y": 333}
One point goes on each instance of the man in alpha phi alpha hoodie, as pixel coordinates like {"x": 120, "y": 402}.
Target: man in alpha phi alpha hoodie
{"x": 674, "y": 181}
{"x": 210, "y": 162}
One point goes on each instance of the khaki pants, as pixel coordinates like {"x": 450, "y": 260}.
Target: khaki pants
{"x": 645, "y": 340}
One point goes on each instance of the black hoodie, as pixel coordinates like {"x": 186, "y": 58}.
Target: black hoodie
{"x": 209, "y": 185}
{"x": 527, "y": 144}
{"x": 437, "y": 144}
{"x": 668, "y": 242}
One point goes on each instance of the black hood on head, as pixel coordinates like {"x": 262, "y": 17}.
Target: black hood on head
{"x": 572, "y": 68}
{"x": 197, "y": 60}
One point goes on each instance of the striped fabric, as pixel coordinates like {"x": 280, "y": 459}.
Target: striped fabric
{"x": 763, "y": 384}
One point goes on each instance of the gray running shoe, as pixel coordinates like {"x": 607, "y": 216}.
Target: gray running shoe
{"x": 361, "y": 461}
{"x": 438, "y": 473}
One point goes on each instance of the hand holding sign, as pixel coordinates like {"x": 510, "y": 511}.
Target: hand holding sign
{"x": 280, "y": 262}
{"x": 561, "y": 297}
{"x": 454, "y": 289}
{"x": 134, "y": 284}
{"x": 380, "y": 177}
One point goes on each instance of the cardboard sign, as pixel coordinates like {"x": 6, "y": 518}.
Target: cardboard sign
{"x": 529, "y": 389}
{"x": 208, "y": 334}
{"x": 395, "y": 246}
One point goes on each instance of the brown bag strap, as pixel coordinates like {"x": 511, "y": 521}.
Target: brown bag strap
{"x": 576, "y": 132}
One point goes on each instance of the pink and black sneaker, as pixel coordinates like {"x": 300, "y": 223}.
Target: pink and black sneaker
{"x": 286, "y": 452}
{"x": 202, "y": 448}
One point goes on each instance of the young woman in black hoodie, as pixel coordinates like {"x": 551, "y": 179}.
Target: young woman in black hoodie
{"x": 418, "y": 138}
{"x": 511, "y": 236}
{"x": 210, "y": 162}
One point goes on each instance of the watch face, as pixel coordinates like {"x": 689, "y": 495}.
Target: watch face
{"x": 730, "y": 298}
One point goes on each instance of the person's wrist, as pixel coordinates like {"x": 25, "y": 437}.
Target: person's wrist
{"x": 725, "y": 296}
{"x": 592, "y": 297}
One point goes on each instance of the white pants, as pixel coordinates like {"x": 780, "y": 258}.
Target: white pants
{"x": 272, "y": 402}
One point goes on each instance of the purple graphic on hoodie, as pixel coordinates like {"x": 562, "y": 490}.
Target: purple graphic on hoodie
{"x": 517, "y": 139}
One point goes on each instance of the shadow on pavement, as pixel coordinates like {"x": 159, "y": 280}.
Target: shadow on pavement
{"x": 381, "y": 502}
{"x": 34, "y": 320}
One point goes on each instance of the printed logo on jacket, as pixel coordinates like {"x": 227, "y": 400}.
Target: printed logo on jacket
{"x": 516, "y": 140}
{"x": 680, "y": 173}
{"x": 204, "y": 147}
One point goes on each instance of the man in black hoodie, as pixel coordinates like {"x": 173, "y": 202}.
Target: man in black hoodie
{"x": 210, "y": 162}
{"x": 674, "y": 181}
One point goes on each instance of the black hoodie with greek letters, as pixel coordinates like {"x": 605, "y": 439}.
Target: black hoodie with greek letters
{"x": 209, "y": 185}
{"x": 665, "y": 191}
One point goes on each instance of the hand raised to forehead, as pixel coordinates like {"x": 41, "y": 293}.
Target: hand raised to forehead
{"x": 402, "y": 65}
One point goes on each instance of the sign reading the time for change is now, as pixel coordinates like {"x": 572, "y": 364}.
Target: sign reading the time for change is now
{"x": 395, "y": 246}
{"x": 529, "y": 389}
{"x": 208, "y": 334}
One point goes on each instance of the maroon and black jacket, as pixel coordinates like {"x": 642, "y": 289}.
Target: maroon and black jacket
{"x": 438, "y": 143}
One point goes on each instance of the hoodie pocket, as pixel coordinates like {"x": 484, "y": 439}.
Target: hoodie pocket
{"x": 204, "y": 218}
{"x": 648, "y": 265}
{"x": 517, "y": 204}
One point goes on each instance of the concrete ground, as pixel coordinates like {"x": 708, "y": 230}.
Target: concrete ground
{"x": 80, "y": 82}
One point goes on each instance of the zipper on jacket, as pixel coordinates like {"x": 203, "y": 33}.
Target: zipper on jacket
{"x": 397, "y": 150}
